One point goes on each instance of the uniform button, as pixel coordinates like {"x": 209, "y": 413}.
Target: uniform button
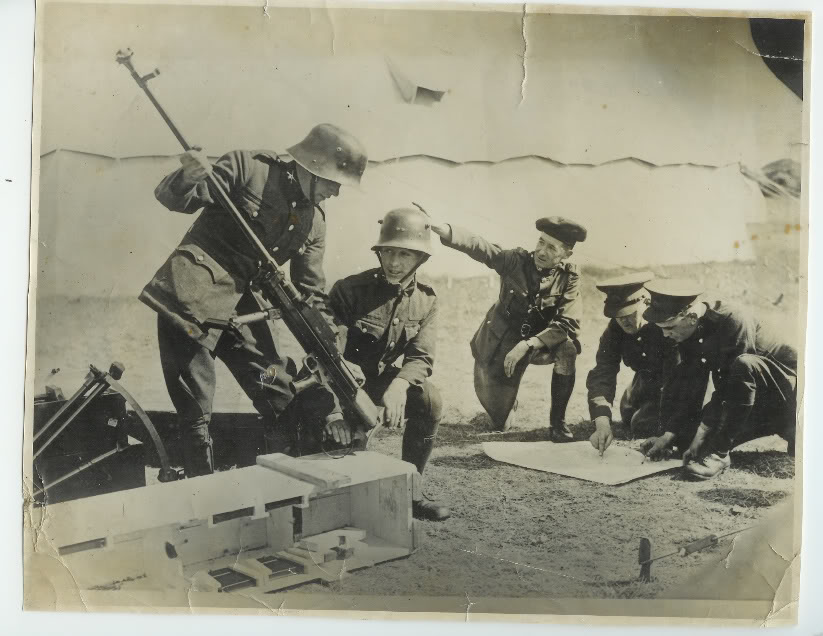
{"x": 200, "y": 257}
{"x": 644, "y": 354}
{"x": 291, "y": 227}
{"x": 395, "y": 321}
{"x": 375, "y": 275}
{"x": 524, "y": 294}
{"x": 703, "y": 360}
{"x": 294, "y": 204}
{"x": 391, "y": 345}
{"x": 488, "y": 322}
{"x": 275, "y": 249}
{"x": 254, "y": 214}
{"x": 639, "y": 339}
{"x": 511, "y": 291}
{"x": 700, "y": 340}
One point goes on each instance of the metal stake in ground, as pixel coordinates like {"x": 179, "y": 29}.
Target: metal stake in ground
{"x": 645, "y": 552}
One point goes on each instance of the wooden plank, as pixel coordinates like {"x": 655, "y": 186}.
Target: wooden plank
{"x": 280, "y": 529}
{"x": 309, "y": 471}
{"x": 327, "y": 513}
{"x": 163, "y": 504}
{"x": 365, "y": 504}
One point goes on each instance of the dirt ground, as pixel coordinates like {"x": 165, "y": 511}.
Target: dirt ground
{"x": 514, "y": 532}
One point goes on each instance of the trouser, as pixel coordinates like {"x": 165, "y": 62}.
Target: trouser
{"x": 640, "y": 406}
{"x": 189, "y": 372}
{"x": 424, "y": 409}
{"x": 759, "y": 399}
{"x": 498, "y": 393}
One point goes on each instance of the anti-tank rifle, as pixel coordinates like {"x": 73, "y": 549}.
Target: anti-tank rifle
{"x": 323, "y": 363}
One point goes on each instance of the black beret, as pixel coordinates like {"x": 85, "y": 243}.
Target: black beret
{"x": 562, "y": 229}
{"x": 670, "y": 296}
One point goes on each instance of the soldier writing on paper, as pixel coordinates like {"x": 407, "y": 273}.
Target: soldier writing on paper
{"x": 754, "y": 373}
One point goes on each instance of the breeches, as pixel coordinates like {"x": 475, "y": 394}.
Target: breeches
{"x": 640, "y": 406}
{"x": 768, "y": 388}
{"x": 189, "y": 369}
{"x": 497, "y": 393}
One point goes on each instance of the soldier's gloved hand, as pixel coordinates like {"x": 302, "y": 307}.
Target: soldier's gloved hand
{"x": 338, "y": 429}
{"x": 602, "y": 437}
{"x": 657, "y": 448}
{"x": 394, "y": 399}
{"x": 196, "y": 166}
{"x": 514, "y": 356}
{"x": 693, "y": 452}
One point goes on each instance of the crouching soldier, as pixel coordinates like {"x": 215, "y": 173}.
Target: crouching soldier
{"x": 639, "y": 345}
{"x": 210, "y": 273}
{"x": 536, "y": 319}
{"x": 754, "y": 374}
{"x": 389, "y": 313}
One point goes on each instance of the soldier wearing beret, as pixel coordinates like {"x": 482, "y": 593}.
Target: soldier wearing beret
{"x": 536, "y": 319}
{"x": 209, "y": 273}
{"x": 390, "y": 317}
{"x": 641, "y": 346}
{"x": 753, "y": 371}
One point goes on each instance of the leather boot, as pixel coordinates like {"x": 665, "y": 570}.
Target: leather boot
{"x": 731, "y": 429}
{"x": 429, "y": 511}
{"x": 198, "y": 457}
{"x": 416, "y": 449}
{"x": 562, "y": 387}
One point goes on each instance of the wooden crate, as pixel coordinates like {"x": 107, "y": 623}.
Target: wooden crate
{"x": 247, "y": 531}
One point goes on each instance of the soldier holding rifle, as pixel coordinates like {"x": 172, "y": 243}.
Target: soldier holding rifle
{"x": 209, "y": 274}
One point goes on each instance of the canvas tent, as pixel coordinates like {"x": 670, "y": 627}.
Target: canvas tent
{"x": 637, "y": 126}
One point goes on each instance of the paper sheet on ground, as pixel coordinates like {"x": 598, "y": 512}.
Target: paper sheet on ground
{"x": 580, "y": 460}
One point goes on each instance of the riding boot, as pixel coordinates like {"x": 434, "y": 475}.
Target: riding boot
{"x": 417, "y": 447}
{"x": 562, "y": 387}
{"x": 198, "y": 457}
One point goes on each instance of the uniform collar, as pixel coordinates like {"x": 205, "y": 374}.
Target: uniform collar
{"x": 541, "y": 272}
{"x": 294, "y": 193}
{"x": 408, "y": 290}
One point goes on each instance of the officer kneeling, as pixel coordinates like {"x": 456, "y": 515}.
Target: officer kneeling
{"x": 389, "y": 313}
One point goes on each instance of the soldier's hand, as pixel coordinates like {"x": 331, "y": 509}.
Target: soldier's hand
{"x": 657, "y": 448}
{"x": 357, "y": 372}
{"x": 602, "y": 437}
{"x": 443, "y": 230}
{"x": 693, "y": 451}
{"x": 514, "y": 356}
{"x": 338, "y": 430}
{"x": 394, "y": 399}
{"x": 196, "y": 166}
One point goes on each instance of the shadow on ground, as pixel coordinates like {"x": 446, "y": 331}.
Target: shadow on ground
{"x": 743, "y": 497}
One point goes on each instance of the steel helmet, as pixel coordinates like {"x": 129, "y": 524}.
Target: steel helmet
{"x": 331, "y": 153}
{"x": 405, "y": 228}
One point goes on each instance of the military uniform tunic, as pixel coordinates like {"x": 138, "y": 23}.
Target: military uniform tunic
{"x": 544, "y": 304}
{"x": 391, "y": 333}
{"x": 209, "y": 273}
{"x": 749, "y": 366}
{"x": 642, "y": 352}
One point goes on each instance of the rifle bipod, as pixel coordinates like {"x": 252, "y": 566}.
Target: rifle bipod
{"x": 95, "y": 384}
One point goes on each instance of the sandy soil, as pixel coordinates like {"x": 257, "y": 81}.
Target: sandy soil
{"x": 514, "y": 532}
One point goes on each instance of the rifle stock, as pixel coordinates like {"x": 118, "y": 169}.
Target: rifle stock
{"x": 306, "y": 323}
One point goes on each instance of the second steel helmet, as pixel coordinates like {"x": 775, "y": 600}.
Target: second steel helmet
{"x": 331, "y": 153}
{"x": 405, "y": 228}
